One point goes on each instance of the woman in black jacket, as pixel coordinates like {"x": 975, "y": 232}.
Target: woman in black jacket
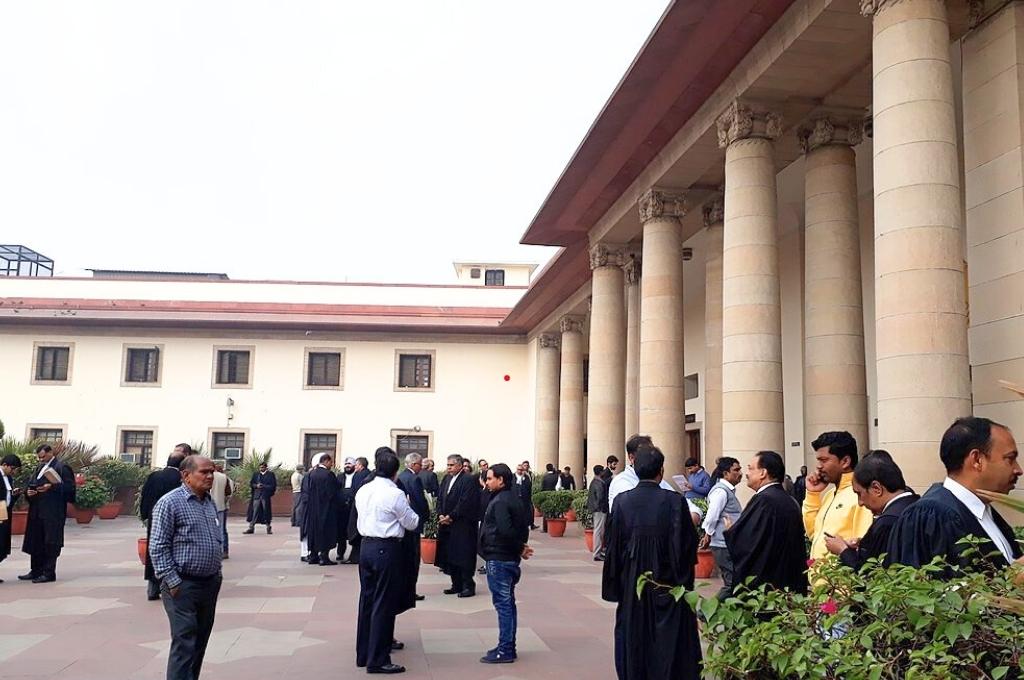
{"x": 504, "y": 532}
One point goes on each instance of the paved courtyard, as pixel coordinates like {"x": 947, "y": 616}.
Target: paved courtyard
{"x": 279, "y": 616}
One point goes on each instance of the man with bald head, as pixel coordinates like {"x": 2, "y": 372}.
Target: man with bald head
{"x": 186, "y": 544}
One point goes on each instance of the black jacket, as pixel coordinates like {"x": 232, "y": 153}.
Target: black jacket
{"x": 504, "y": 529}
{"x": 876, "y": 541}
{"x": 597, "y": 496}
{"x": 549, "y": 481}
{"x": 413, "y": 487}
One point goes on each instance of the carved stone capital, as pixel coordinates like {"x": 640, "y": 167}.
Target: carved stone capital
{"x": 549, "y": 341}
{"x": 714, "y": 211}
{"x": 571, "y": 323}
{"x": 632, "y": 269}
{"x": 870, "y": 8}
{"x": 657, "y": 202}
{"x": 831, "y": 129}
{"x": 980, "y": 10}
{"x": 743, "y": 120}
{"x": 607, "y": 255}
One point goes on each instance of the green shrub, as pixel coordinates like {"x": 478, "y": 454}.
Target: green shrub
{"x": 117, "y": 474}
{"x": 583, "y": 515}
{"x": 92, "y": 494}
{"x": 553, "y": 504}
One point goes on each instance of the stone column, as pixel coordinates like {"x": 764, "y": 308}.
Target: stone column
{"x": 545, "y": 446}
{"x": 606, "y": 398}
{"x": 835, "y": 383}
{"x": 570, "y": 397}
{"x": 714, "y": 215}
{"x": 632, "y": 275}
{"x": 752, "y": 404}
{"x": 662, "y": 393}
{"x": 920, "y": 298}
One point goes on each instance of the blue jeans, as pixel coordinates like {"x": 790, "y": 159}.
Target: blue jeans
{"x": 223, "y": 516}
{"x": 502, "y": 578}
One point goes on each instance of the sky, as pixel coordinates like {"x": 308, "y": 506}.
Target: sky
{"x": 341, "y": 141}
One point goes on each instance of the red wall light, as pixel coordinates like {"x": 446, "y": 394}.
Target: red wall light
{"x": 507, "y": 378}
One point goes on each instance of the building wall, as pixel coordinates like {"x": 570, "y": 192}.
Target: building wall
{"x": 472, "y": 409}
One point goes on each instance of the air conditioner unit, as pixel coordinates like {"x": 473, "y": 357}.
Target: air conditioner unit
{"x": 130, "y": 458}
{"x": 233, "y": 453}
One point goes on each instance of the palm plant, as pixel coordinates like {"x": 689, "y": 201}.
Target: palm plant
{"x": 76, "y": 454}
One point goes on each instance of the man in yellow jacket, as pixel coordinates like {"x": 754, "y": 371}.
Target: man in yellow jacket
{"x": 834, "y": 512}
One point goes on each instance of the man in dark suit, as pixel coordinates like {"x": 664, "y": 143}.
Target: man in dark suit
{"x": 50, "y": 488}
{"x": 524, "y": 491}
{"x": 458, "y": 508}
{"x": 568, "y": 482}
{"x": 550, "y": 479}
{"x": 361, "y": 476}
{"x": 409, "y": 481}
{"x": 979, "y": 455}
{"x": 428, "y": 478}
{"x": 879, "y": 485}
{"x": 156, "y": 485}
{"x": 263, "y": 485}
{"x": 9, "y": 494}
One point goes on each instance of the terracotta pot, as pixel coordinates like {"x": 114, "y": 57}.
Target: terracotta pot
{"x": 537, "y": 512}
{"x": 556, "y": 527}
{"x": 142, "y": 546}
{"x": 19, "y": 520}
{"x": 570, "y": 515}
{"x": 588, "y": 537}
{"x": 109, "y": 511}
{"x": 428, "y": 550}
{"x": 705, "y": 564}
{"x": 84, "y": 515}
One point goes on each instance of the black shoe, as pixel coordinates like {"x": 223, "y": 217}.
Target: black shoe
{"x": 599, "y": 558}
{"x": 27, "y": 577}
{"x": 390, "y": 669}
{"x": 350, "y": 561}
{"x": 303, "y": 559}
{"x": 397, "y": 646}
{"x": 328, "y": 562}
{"x": 534, "y": 526}
{"x": 249, "y": 531}
{"x": 44, "y": 579}
{"x": 447, "y": 591}
{"x": 495, "y": 657}
{"x": 312, "y": 561}
{"x": 269, "y": 531}
{"x": 482, "y": 570}
{"x": 468, "y": 592}
{"x": 420, "y": 598}
{"x": 1, "y": 580}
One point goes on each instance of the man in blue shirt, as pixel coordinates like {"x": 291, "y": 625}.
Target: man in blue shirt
{"x": 700, "y": 480}
{"x": 186, "y": 548}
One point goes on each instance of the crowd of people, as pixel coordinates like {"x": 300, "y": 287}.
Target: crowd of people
{"x": 855, "y": 508}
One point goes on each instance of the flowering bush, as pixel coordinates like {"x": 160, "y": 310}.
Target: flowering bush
{"x": 92, "y": 494}
{"x": 879, "y": 624}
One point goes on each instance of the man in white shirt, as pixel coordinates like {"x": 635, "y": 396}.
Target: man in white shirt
{"x": 220, "y": 492}
{"x": 383, "y": 515}
{"x": 296, "y": 480}
{"x": 628, "y": 479}
{"x": 979, "y": 455}
{"x": 723, "y": 511}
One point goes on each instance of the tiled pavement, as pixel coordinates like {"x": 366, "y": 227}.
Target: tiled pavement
{"x": 279, "y": 616}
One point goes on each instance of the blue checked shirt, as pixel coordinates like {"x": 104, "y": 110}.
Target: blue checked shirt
{"x": 185, "y": 537}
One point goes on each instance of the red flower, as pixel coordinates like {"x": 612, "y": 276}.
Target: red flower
{"x": 829, "y": 607}
{"x": 810, "y": 563}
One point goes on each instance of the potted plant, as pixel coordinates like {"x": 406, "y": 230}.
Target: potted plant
{"x": 705, "y": 558}
{"x": 428, "y": 540}
{"x": 119, "y": 477}
{"x": 585, "y": 518}
{"x": 29, "y": 461}
{"x": 553, "y": 506}
{"x": 94, "y": 493}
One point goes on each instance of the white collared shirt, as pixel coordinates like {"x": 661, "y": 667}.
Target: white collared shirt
{"x": 383, "y": 510}
{"x": 894, "y": 499}
{"x": 628, "y": 480}
{"x": 46, "y": 467}
{"x": 766, "y": 486}
{"x": 7, "y": 489}
{"x": 982, "y": 512}
{"x": 451, "y": 482}
{"x": 349, "y": 476}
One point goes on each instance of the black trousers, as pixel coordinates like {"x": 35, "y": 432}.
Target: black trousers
{"x": 261, "y": 504}
{"x": 44, "y": 563}
{"x": 380, "y": 590}
{"x": 191, "y": 616}
{"x": 462, "y": 579}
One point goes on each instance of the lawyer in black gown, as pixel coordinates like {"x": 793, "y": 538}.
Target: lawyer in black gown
{"x": 263, "y": 486}
{"x": 651, "y": 530}
{"x": 47, "y": 510}
{"x": 880, "y": 488}
{"x": 977, "y": 454}
{"x": 157, "y": 484}
{"x": 458, "y": 510}
{"x": 320, "y": 514}
{"x": 362, "y": 476}
{"x": 412, "y": 486}
{"x": 767, "y": 541}
{"x": 9, "y": 493}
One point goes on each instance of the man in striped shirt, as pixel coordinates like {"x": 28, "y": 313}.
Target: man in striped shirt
{"x": 186, "y": 547}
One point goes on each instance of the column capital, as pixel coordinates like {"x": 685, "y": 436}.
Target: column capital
{"x": 571, "y": 323}
{"x": 549, "y": 341}
{"x": 607, "y": 255}
{"x": 746, "y": 120}
{"x": 632, "y": 268}
{"x": 831, "y": 129}
{"x": 657, "y": 202}
{"x": 714, "y": 210}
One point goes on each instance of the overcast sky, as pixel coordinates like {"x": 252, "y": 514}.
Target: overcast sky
{"x": 360, "y": 141}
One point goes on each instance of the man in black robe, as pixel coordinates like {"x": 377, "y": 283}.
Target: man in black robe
{"x": 979, "y": 454}
{"x": 158, "y": 484}
{"x": 263, "y": 486}
{"x": 549, "y": 482}
{"x": 9, "y": 494}
{"x": 320, "y": 511}
{"x": 50, "y": 488}
{"x": 767, "y": 541}
{"x": 880, "y": 487}
{"x": 428, "y": 478}
{"x": 409, "y": 482}
{"x": 362, "y": 476}
{"x": 458, "y": 510}
{"x": 651, "y": 530}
